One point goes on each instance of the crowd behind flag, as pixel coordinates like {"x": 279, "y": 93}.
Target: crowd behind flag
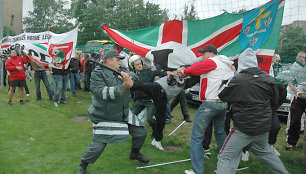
{"x": 176, "y": 42}
{"x": 46, "y": 48}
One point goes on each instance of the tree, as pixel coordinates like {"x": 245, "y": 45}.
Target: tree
{"x": 291, "y": 41}
{"x": 190, "y": 13}
{"x": 7, "y": 31}
{"x": 118, "y": 14}
{"x": 48, "y": 15}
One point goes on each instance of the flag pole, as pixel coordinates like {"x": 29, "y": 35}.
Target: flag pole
{"x": 243, "y": 168}
{"x": 177, "y": 128}
{"x": 155, "y": 165}
{"x": 206, "y": 155}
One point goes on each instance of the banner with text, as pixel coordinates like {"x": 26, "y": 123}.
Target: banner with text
{"x": 46, "y": 48}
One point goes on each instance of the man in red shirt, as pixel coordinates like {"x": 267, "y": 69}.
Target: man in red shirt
{"x": 17, "y": 76}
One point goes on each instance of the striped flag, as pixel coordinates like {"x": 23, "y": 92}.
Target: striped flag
{"x": 175, "y": 43}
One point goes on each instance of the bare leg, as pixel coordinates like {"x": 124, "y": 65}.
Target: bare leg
{"x": 21, "y": 93}
{"x": 11, "y": 93}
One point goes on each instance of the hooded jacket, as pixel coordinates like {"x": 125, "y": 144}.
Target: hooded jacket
{"x": 212, "y": 72}
{"x": 251, "y": 93}
{"x": 11, "y": 65}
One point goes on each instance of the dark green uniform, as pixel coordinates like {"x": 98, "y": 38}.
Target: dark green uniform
{"x": 110, "y": 114}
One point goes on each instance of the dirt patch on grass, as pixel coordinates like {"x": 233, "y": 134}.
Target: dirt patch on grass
{"x": 173, "y": 148}
{"x": 79, "y": 118}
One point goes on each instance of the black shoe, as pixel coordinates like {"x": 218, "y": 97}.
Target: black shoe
{"x": 81, "y": 170}
{"x": 187, "y": 118}
{"x": 82, "y": 167}
{"x": 138, "y": 156}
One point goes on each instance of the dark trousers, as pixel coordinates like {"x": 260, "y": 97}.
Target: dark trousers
{"x": 156, "y": 92}
{"x": 297, "y": 109}
{"x": 87, "y": 81}
{"x": 26, "y": 88}
{"x": 95, "y": 149}
{"x": 42, "y": 75}
{"x": 4, "y": 76}
{"x": 180, "y": 98}
{"x": 275, "y": 127}
{"x": 208, "y": 135}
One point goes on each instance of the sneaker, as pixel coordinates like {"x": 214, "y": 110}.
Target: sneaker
{"x": 64, "y": 102}
{"x": 274, "y": 150}
{"x": 9, "y": 103}
{"x": 27, "y": 95}
{"x": 55, "y": 104}
{"x": 157, "y": 144}
{"x": 21, "y": 102}
{"x": 245, "y": 156}
{"x": 167, "y": 121}
{"x": 207, "y": 154}
{"x": 189, "y": 171}
{"x": 289, "y": 147}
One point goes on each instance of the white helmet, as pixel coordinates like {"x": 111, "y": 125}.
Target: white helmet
{"x": 134, "y": 59}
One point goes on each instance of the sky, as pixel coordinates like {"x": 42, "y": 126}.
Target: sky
{"x": 294, "y": 9}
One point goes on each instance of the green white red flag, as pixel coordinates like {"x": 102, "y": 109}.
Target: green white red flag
{"x": 175, "y": 43}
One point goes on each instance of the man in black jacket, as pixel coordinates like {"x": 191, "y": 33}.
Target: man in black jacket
{"x": 253, "y": 95}
{"x": 75, "y": 67}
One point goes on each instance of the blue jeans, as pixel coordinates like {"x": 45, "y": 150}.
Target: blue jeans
{"x": 61, "y": 87}
{"x": 207, "y": 112}
{"x": 41, "y": 75}
{"x": 74, "y": 81}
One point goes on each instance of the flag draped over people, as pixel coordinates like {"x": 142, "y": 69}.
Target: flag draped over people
{"x": 46, "y": 48}
{"x": 176, "y": 42}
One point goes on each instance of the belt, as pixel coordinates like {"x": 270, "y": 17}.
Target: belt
{"x": 213, "y": 100}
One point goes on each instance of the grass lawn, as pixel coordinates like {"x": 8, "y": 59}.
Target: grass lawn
{"x": 40, "y": 138}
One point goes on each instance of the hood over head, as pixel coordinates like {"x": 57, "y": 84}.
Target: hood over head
{"x": 247, "y": 59}
{"x": 225, "y": 60}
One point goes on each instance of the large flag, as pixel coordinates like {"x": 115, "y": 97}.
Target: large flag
{"x": 46, "y": 48}
{"x": 176, "y": 42}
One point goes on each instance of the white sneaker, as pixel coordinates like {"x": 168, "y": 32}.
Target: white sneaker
{"x": 55, "y": 104}
{"x": 189, "y": 171}
{"x": 274, "y": 150}
{"x": 245, "y": 156}
{"x": 157, "y": 144}
{"x": 27, "y": 95}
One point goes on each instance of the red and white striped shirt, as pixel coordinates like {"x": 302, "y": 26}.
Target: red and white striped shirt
{"x": 212, "y": 72}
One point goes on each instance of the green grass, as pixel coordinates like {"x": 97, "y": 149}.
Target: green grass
{"x": 40, "y": 138}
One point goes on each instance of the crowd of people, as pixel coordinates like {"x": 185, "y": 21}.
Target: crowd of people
{"x": 229, "y": 90}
